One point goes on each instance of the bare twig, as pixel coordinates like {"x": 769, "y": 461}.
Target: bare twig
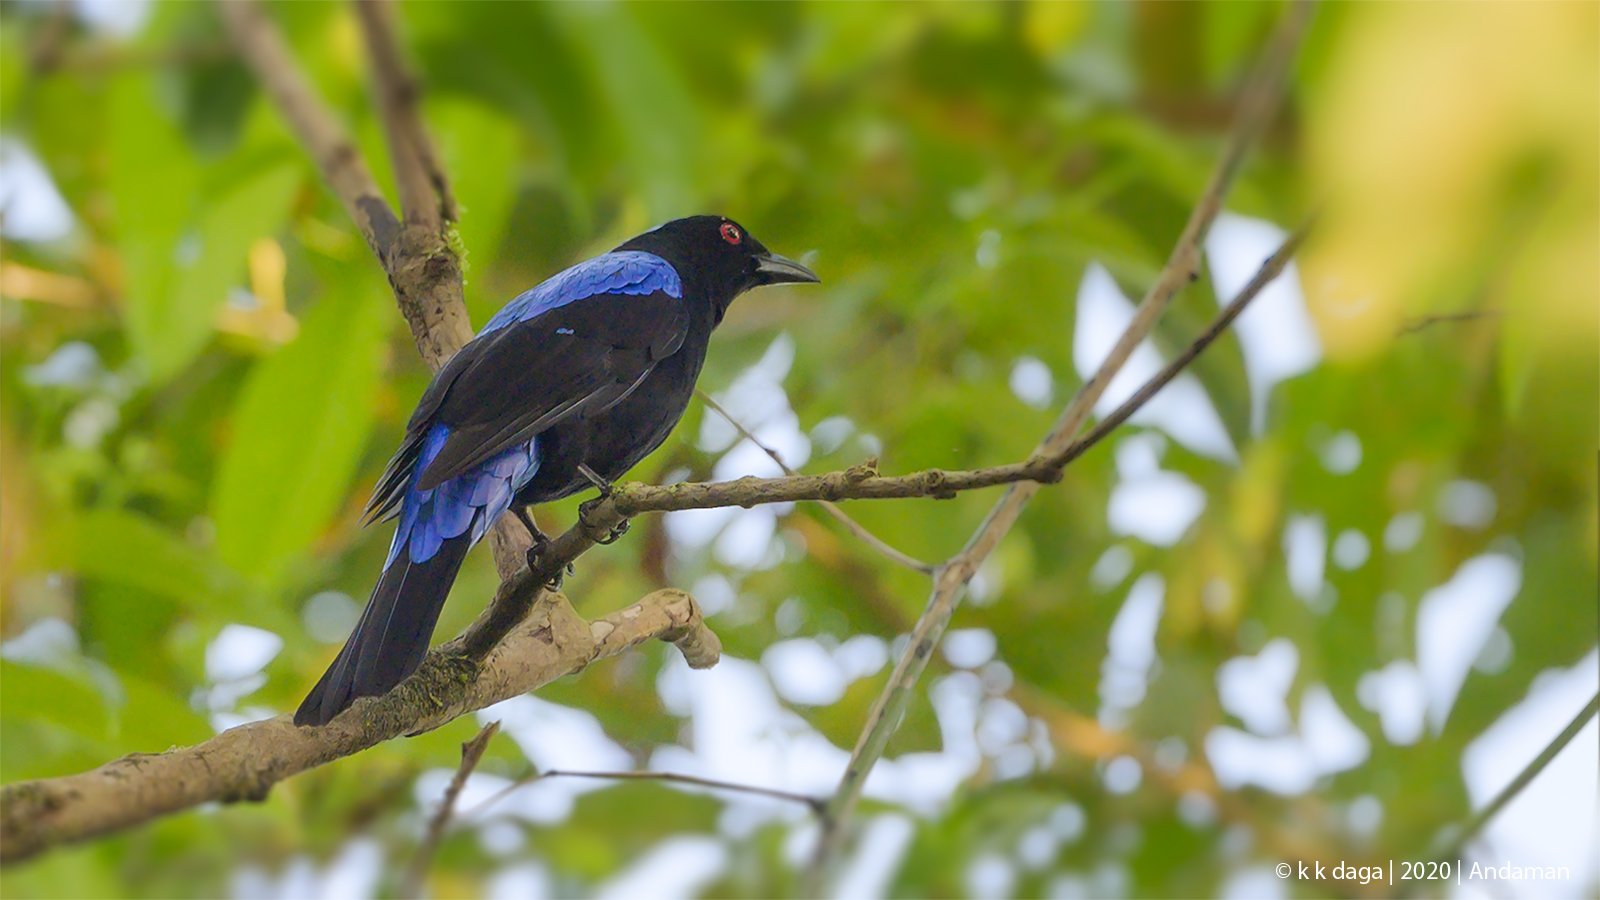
{"x": 264, "y": 51}
{"x": 856, "y": 528}
{"x": 675, "y": 777}
{"x": 1259, "y": 101}
{"x": 1424, "y": 322}
{"x": 471, "y": 753}
{"x": 1452, "y": 840}
{"x": 425, "y": 192}
{"x": 1270, "y": 270}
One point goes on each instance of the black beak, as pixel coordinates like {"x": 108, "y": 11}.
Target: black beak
{"x": 775, "y": 269}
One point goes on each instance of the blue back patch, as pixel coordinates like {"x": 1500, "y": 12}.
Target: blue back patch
{"x": 627, "y": 272}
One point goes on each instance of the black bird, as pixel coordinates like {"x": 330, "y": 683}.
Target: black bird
{"x": 567, "y": 387}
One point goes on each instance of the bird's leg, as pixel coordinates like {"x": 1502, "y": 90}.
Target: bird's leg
{"x": 600, "y": 484}
{"x": 587, "y": 507}
{"x": 541, "y": 544}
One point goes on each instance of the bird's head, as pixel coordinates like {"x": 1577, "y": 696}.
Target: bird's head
{"x": 719, "y": 257}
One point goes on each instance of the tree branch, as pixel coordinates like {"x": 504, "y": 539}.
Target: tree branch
{"x": 471, "y": 753}
{"x": 675, "y": 777}
{"x": 856, "y": 528}
{"x": 1453, "y": 839}
{"x": 425, "y": 193}
{"x": 1260, "y": 99}
{"x": 423, "y": 270}
{"x": 244, "y": 763}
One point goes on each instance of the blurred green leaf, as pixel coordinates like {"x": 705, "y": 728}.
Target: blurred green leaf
{"x": 298, "y": 431}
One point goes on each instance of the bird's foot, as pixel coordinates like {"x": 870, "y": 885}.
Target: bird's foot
{"x": 535, "y": 557}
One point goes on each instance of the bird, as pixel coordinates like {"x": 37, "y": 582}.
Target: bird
{"x": 567, "y": 387}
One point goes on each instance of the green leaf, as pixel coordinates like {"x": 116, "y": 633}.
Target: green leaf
{"x": 299, "y": 428}
{"x": 655, "y": 114}
{"x": 154, "y": 181}
{"x": 127, "y": 548}
{"x": 29, "y": 692}
{"x": 181, "y": 254}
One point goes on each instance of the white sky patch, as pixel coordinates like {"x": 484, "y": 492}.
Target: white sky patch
{"x": 1280, "y": 764}
{"x": 679, "y": 867}
{"x": 1552, "y": 821}
{"x": 330, "y": 616}
{"x": 1182, "y": 409}
{"x": 551, "y": 736}
{"x": 1327, "y": 742}
{"x": 1403, "y": 532}
{"x": 1122, "y": 775}
{"x": 969, "y": 648}
{"x": 1455, "y": 620}
{"x": 862, "y": 656}
{"x": 695, "y": 528}
{"x": 234, "y": 660}
{"x": 1275, "y": 332}
{"x": 31, "y": 208}
{"x": 882, "y": 849}
{"x": 1333, "y": 741}
{"x": 1153, "y": 505}
{"x": 1111, "y": 568}
{"x": 804, "y": 672}
{"x": 1467, "y": 504}
{"x": 119, "y": 18}
{"x": 755, "y": 397}
{"x": 1032, "y": 382}
{"x": 715, "y": 594}
{"x": 1305, "y": 551}
{"x": 1351, "y": 550}
{"x": 990, "y": 876}
{"x": 353, "y": 874}
{"x": 740, "y": 732}
{"x": 831, "y": 433}
{"x": 523, "y": 881}
{"x": 1254, "y": 883}
{"x": 1256, "y": 688}
{"x": 74, "y": 364}
{"x": 1397, "y": 694}
{"x": 1131, "y": 648}
{"x": 1341, "y": 455}
{"x": 746, "y": 541}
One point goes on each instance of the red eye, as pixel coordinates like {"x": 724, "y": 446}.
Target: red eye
{"x": 730, "y": 233}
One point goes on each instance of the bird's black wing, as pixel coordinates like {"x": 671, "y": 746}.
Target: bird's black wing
{"x": 512, "y": 383}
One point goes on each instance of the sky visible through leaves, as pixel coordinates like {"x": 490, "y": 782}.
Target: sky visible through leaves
{"x": 1321, "y": 599}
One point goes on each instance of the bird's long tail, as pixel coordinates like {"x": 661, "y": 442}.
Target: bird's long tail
{"x": 390, "y": 640}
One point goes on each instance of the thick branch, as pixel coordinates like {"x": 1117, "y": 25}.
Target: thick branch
{"x": 244, "y": 763}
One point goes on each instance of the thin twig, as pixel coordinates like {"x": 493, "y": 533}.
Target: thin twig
{"x": 425, "y": 192}
{"x": 471, "y": 752}
{"x": 1260, "y": 100}
{"x": 815, "y": 803}
{"x": 262, "y": 46}
{"x": 1270, "y": 270}
{"x": 856, "y": 528}
{"x": 1453, "y": 840}
{"x": 1415, "y": 325}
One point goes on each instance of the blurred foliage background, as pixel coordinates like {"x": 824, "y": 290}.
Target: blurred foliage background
{"x": 203, "y": 373}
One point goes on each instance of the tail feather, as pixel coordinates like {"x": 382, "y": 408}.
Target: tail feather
{"x": 391, "y": 638}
